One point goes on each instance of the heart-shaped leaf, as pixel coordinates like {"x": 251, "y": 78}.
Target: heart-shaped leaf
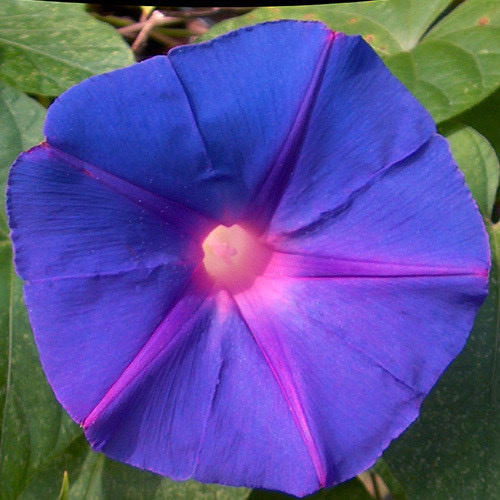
{"x": 478, "y": 162}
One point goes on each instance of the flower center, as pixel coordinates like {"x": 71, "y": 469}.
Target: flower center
{"x": 234, "y": 257}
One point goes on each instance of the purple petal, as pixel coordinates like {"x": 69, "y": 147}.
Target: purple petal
{"x": 267, "y": 75}
{"x": 418, "y": 213}
{"x": 251, "y": 438}
{"x": 136, "y": 124}
{"x": 88, "y": 330}
{"x": 199, "y": 401}
{"x": 167, "y": 115}
{"x": 154, "y": 414}
{"x": 67, "y": 223}
{"x": 354, "y": 357}
{"x": 363, "y": 121}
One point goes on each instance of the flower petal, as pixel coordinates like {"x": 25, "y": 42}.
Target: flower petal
{"x": 67, "y": 222}
{"x": 354, "y": 357}
{"x": 204, "y": 407}
{"x": 167, "y": 115}
{"x": 417, "y": 214}
{"x": 88, "y": 330}
{"x": 248, "y": 89}
{"x": 136, "y": 123}
{"x": 251, "y": 438}
{"x": 363, "y": 121}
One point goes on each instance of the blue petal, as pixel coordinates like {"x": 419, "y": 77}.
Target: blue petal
{"x": 354, "y": 357}
{"x": 251, "y": 438}
{"x": 66, "y": 222}
{"x": 363, "y": 121}
{"x": 418, "y": 212}
{"x": 205, "y": 405}
{"x": 136, "y": 123}
{"x": 247, "y": 90}
{"x": 201, "y": 126}
{"x": 88, "y": 330}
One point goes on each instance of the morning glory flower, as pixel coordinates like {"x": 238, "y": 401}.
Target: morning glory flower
{"x": 249, "y": 261}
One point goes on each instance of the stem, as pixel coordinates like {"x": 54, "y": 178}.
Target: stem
{"x": 376, "y": 489}
{"x": 117, "y": 22}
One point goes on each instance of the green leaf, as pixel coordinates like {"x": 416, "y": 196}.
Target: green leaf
{"x": 484, "y": 118}
{"x": 458, "y": 61}
{"x": 104, "y": 479}
{"x": 478, "y": 162}
{"x": 21, "y": 120}
{"x": 452, "y": 449}
{"x": 34, "y": 428}
{"x": 449, "y": 66}
{"x": 394, "y": 486}
{"x": 46, "y": 47}
{"x": 391, "y": 26}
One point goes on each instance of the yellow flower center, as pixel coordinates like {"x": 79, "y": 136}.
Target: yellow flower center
{"x": 234, "y": 257}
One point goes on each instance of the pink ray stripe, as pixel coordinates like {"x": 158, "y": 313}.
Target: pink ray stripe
{"x": 268, "y": 342}
{"x": 309, "y": 266}
{"x": 184, "y": 218}
{"x": 172, "y": 325}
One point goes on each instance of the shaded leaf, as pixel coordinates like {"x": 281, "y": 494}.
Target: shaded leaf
{"x": 449, "y": 66}
{"x": 34, "y": 428}
{"x": 484, "y": 118}
{"x": 45, "y": 47}
{"x": 384, "y": 471}
{"x": 104, "y": 479}
{"x": 478, "y": 162}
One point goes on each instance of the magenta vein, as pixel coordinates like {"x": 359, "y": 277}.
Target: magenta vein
{"x": 309, "y": 266}
{"x": 270, "y": 192}
{"x": 285, "y": 381}
{"x": 171, "y": 326}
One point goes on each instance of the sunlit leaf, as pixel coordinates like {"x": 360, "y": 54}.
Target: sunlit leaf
{"x": 479, "y": 163}
{"x": 45, "y": 47}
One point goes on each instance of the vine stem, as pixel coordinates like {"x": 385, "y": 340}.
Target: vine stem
{"x": 376, "y": 488}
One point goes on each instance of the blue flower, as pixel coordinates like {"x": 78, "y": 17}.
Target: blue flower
{"x": 246, "y": 262}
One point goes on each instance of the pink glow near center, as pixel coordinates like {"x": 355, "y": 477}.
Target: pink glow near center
{"x": 234, "y": 257}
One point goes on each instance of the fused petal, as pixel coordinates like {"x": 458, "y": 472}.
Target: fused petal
{"x": 418, "y": 212}
{"x": 65, "y": 222}
{"x": 88, "y": 330}
{"x": 354, "y": 357}
{"x": 136, "y": 123}
{"x": 205, "y": 407}
{"x": 363, "y": 120}
{"x": 361, "y": 257}
{"x": 167, "y": 115}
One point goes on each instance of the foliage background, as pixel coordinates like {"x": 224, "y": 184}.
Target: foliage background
{"x": 448, "y": 55}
